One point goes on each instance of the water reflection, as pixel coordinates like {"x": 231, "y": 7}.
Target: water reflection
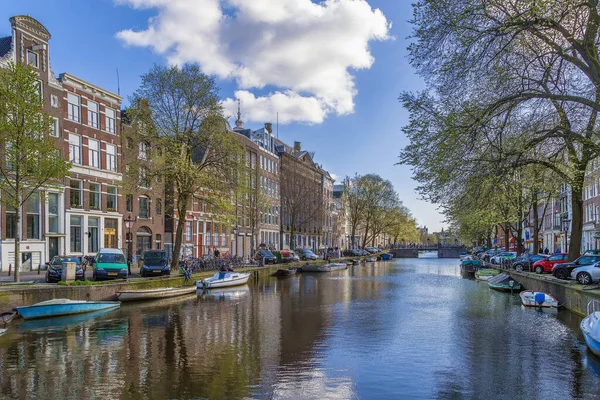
{"x": 402, "y": 329}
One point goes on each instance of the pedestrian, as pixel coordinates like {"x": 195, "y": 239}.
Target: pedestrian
{"x": 216, "y": 253}
{"x": 546, "y": 251}
{"x": 557, "y": 250}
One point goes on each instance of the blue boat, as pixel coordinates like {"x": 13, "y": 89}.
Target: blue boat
{"x": 60, "y": 307}
{"x": 386, "y": 256}
{"x": 590, "y": 327}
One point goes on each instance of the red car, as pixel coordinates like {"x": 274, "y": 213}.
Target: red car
{"x": 547, "y": 263}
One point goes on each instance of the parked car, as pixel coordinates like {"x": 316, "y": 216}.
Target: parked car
{"x": 487, "y": 255}
{"x": 306, "y": 254}
{"x": 563, "y": 271}
{"x": 288, "y": 256}
{"x": 547, "y": 263}
{"x": 110, "y": 264}
{"x": 505, "y": 255}
{"x": 266, "y": 255}
{"x": 353, "y": 253}
{"x": 586, "y": 274}
{"x": 55, "y": 266}
{"x": 372, "y": 249}
{"x": 526, "y": 261}
{"x": 155, "y": 263}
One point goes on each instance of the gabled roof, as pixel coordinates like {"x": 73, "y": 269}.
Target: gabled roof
{"x": 5, "y": 45}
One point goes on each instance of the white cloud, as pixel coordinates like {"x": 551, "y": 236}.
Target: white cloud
{"x": 306, "y": 51}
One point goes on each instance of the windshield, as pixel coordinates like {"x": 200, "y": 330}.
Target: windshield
{"x": 62, "y": 260}
{"x": 155, "y": 258}
{"x": 111, "y": 258}
{"x": 266, "y": 253}
{"x": 587, "y": 260}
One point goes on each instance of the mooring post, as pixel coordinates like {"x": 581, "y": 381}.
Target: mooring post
{"x": 9, "y": 269}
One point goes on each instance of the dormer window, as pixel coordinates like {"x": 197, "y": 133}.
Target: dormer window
{"x": 32, "y": 59}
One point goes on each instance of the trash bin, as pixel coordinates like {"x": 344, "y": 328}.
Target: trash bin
{"x": 69, "y": 271}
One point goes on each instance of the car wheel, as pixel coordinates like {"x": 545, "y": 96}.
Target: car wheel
{"x": 584, "y": 278}
{"x": 561, "y": 273}
{"x": 519, "y": 267}
{"x": 539, "y": 270}
{"x": 47, "y": 280}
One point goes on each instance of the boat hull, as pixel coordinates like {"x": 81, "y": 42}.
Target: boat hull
{"x": 153, "y": 294}
{"x": 587, "y": 330}
{"x": 56, "y": 310}
{"x": 215, "y": 282}
{"x": 386, "y": 256}
{"x": 3, "y": 331}
{"x": 528, "y": 299}
{"x": 502, "y": 283}
{"x": 315, "y": 268}
{"x": 284, "y": 273}
{"x": 336, "y": 267}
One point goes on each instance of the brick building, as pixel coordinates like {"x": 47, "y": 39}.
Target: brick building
{"x": 85, "y": 215}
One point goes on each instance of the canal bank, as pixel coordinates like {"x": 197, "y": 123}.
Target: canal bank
{"x": 570, "y": 294}
{"x": 12, "y": 296}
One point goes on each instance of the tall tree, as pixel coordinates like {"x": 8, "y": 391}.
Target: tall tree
{"x": 511, "y": 84}
{"x": 354, "y": 199}
{"x": 199, "y": 156}
{"x": 31, "y": 162}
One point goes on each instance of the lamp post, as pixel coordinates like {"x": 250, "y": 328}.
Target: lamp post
{"x": 566, "y": 223}
{"x": 128, "y": 224}
{"x": 235, "y": 235}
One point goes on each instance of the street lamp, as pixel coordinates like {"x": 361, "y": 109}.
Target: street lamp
{"x": 129, "y": 224}
{"x": 235, "y": 235}
{"x": 566, "y": 223}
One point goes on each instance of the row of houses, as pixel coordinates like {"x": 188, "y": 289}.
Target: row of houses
{"x": 93, "y": 208}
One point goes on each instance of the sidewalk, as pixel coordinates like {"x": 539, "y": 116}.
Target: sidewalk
{"x": 26, "y": 276}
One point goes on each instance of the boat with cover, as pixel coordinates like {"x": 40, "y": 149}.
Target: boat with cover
{"x": 503, "y": 283}
{"x": 336, "y": 266}
{"x": 223, "y": 279}
{"x": 153, "y": 294}
{"x": 485, "y": 274}
{"x": 315, "y": 268}
{"x": 531, "y": 298}
{"x": 590, "y": 327}
{"x": 386, "y": 256}
{"x": 284, "y": 273}
{"x": 58, "y": 307}
{"x": 470, "y": 266}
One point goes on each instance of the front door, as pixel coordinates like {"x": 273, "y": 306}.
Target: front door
{"x": 52, "y": 247}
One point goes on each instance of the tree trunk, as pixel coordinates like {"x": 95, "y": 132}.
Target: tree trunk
{"x": 506, "y": 237}
{"x": 574, "y": 245}
{"x": 17, "y": 270}
{"x": 536, "y": 224}
{"x": 292, "y": 236}
{"x": 182, "y": 201}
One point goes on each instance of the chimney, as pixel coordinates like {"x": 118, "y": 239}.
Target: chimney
{"x": 297, "y": 146}
{"x": 269, "y": 127}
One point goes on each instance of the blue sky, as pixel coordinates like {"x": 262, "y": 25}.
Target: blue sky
{"x": 360, "y": 129}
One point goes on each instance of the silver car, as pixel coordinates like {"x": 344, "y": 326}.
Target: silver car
{"x": 586, "y": 274}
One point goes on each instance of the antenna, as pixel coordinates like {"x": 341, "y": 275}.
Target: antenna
{"x": 118, "y": 83}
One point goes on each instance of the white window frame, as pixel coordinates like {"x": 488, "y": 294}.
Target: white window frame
{"x": 73, "y": 103}
{"x": 93, "y": 114}
{"x": 111, "y": 157}
{"x": 55, "y": 128}
{"x": 94, "y": 153}
{"x": 111, "y": 120}
{"x": 75, "y": 148}
{"x": 37, "y": 59}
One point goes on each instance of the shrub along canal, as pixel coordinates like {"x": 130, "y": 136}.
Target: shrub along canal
{"x": 408, "y": 328}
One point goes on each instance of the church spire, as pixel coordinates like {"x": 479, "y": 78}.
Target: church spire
{"x": 239, "y": 124}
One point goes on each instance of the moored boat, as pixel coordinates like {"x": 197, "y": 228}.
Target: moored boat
{"x": 470, "y": 266}
{"x": 3, "y": 331}
{"x": 223, "y": 279}
{"x": 371, "y": 259}
{"x": 531, "y": 298}
{"x": 59, "y": 307}
{"x": 284, "y": 273}
{"x": 463, "y": 255}
{"x": 386, "y": 256}
{"x": 152, "y": 294}
{"x": 7, "y": 316}
{"x": 336, "y": 266}
{"x": 504, "y": 283}
{"x": 315, "y": 268}
{"x": 485, "y": 274}
{"x": 590, "y": 327}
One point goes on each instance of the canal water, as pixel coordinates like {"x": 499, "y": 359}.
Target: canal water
{"x": 404, "y": 329}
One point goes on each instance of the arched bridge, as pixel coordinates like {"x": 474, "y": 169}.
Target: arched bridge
{"x": 443, "y": 252}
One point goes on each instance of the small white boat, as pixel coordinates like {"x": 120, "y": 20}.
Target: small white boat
{"x": 223, "y": 279}
{"x": 336, "y": 266}
{"x": 590, "y": 327}
{"x": 152, "y": 294}
{"x": 3, "y": 331}
{"x": 315, "y": 268}
{"x": 531, "y": 298}
{"x": 370, "y": 260}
